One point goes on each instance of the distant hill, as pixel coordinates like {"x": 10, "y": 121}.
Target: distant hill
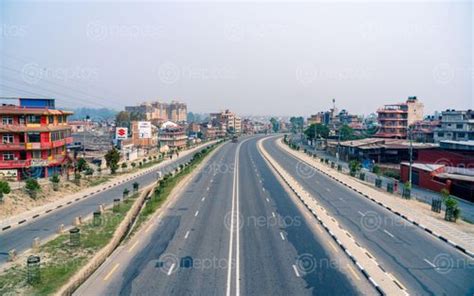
{"x": 93, "y": 113}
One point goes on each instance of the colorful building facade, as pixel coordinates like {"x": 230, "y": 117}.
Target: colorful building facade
{"x": 34, "y": 135}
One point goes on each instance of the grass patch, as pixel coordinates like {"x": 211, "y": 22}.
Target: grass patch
{"x": 59, "y": 260}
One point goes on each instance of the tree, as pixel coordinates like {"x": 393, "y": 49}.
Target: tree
{"x": 81, "y": 164}
{"x": 112, "y": 158}
{"x": 55, "y": 180}
{"x": 346, "y": 133}
{"x": 297, "y": 124}
{"x": 317, "y": 130}
{"x": 4, "y": 189}
{"x": 32, "y": 187}
{"x": 354, "y": 167}
{"x": 453, "y": 212}
{"x": 275, "y": 124}
{"x": 89, "y": 171}
{"x": 124, "y": 165}
{"x": 122, "y": 119}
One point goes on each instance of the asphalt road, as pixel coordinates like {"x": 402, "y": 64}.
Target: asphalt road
{"x": 425, "y": 265}
{"x": 21, "y": 238}
{"x": 230, "y": 233}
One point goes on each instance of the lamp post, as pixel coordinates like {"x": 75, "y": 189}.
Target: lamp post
{"x": 411, "y": 155}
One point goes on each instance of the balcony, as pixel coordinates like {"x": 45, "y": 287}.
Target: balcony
{"x": 18, "y": 164}
{"x": 12, "y": 146}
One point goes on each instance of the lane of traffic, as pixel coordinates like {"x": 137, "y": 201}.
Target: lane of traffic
{"x": 399, "y": 246}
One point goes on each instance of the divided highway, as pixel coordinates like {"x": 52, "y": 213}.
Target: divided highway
{"x": 232, "y": 230}
{"x": 425, "y": 265}
{"x": 21, "y": 237}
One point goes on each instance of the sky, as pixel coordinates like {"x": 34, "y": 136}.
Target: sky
{"x": 255, "y": 58}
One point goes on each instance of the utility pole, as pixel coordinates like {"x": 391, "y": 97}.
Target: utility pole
{"x": 411, "y": 155}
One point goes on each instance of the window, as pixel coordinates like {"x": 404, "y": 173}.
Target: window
{"x": 36, "y": 154}
{"x": 34, "y": 119}
{"x": 459, "y": 126}
{"x": 7, "y": 139}
{"x": 34, "y": 137}
{"x": 50, "y": 119}
{"x": 7, "y": 120}
{"x": 440, "y": 134}
{"x": 8, "y": 156}
{"x": 21, "y": 119}
{"x": 461, "y": 135}
{"x": 60, "y": 119}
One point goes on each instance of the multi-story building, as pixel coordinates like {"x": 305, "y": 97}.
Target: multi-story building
{"x": 394, "y": 119}
{"x": 456, "y": 125}
{"x": 316, "y": 118}
{"x": 158, "y": 111}
{"x": 227, "y": 120}
{"x": 34, "y": 137}
{"x": 423, "y": 130}
{"x": 172, "y": 135}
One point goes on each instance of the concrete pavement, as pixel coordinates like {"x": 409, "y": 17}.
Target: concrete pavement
{"x": 222, "y": 237}
{"x": 422, "y": 263}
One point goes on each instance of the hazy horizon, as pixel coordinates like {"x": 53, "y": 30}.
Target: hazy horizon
{"x": 253, "y": 58}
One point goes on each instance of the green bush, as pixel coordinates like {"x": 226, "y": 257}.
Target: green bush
{"x": 4, "y": 189}
{"x": 32, "y": 187}
{"x": 55, "y": 180}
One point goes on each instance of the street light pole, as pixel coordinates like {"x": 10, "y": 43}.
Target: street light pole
{"x": 411, "y": 155}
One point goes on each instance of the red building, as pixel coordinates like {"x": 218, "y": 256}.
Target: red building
{"x": 34, "y": 137}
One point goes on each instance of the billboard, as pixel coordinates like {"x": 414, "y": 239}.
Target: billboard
{"x": 121, "y": 133}
{"x": 144, "y": 130}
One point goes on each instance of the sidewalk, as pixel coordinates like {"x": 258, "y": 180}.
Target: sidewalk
{"x": 460, "y": 235}
{"x": 417, "y": 193}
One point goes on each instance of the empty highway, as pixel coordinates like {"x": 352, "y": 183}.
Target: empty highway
{"x": 232, "y": 230}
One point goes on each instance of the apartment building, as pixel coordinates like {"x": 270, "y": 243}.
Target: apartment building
{"x": 228, "y": 120}
{"x": 34, "y": 137}
{"x": 159, "y": 111}
{"x": 394, "y": 119}
{"x": 172, "y": 135}
{"x": 456, "y": 125}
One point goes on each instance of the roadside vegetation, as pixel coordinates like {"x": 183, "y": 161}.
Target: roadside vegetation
{"x": 60, "y": 259}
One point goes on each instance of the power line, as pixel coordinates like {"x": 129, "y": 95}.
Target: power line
{"x": 29, "y": 61}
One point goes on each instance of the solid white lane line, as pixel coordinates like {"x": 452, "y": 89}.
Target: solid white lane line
{"x": 362, "y": 214}
{"x": 391, "y": 235}
{"x": 282, "y": 236}
{"x": 296, "y": 270}
{"x": 197, "y": 213}
{"x": 171, "y": 269}
{"x": 273, "y": 214}
{"x": 237, "y": 272}
{"x": 431, "y": 264}
{"x": 186, "y": 235}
